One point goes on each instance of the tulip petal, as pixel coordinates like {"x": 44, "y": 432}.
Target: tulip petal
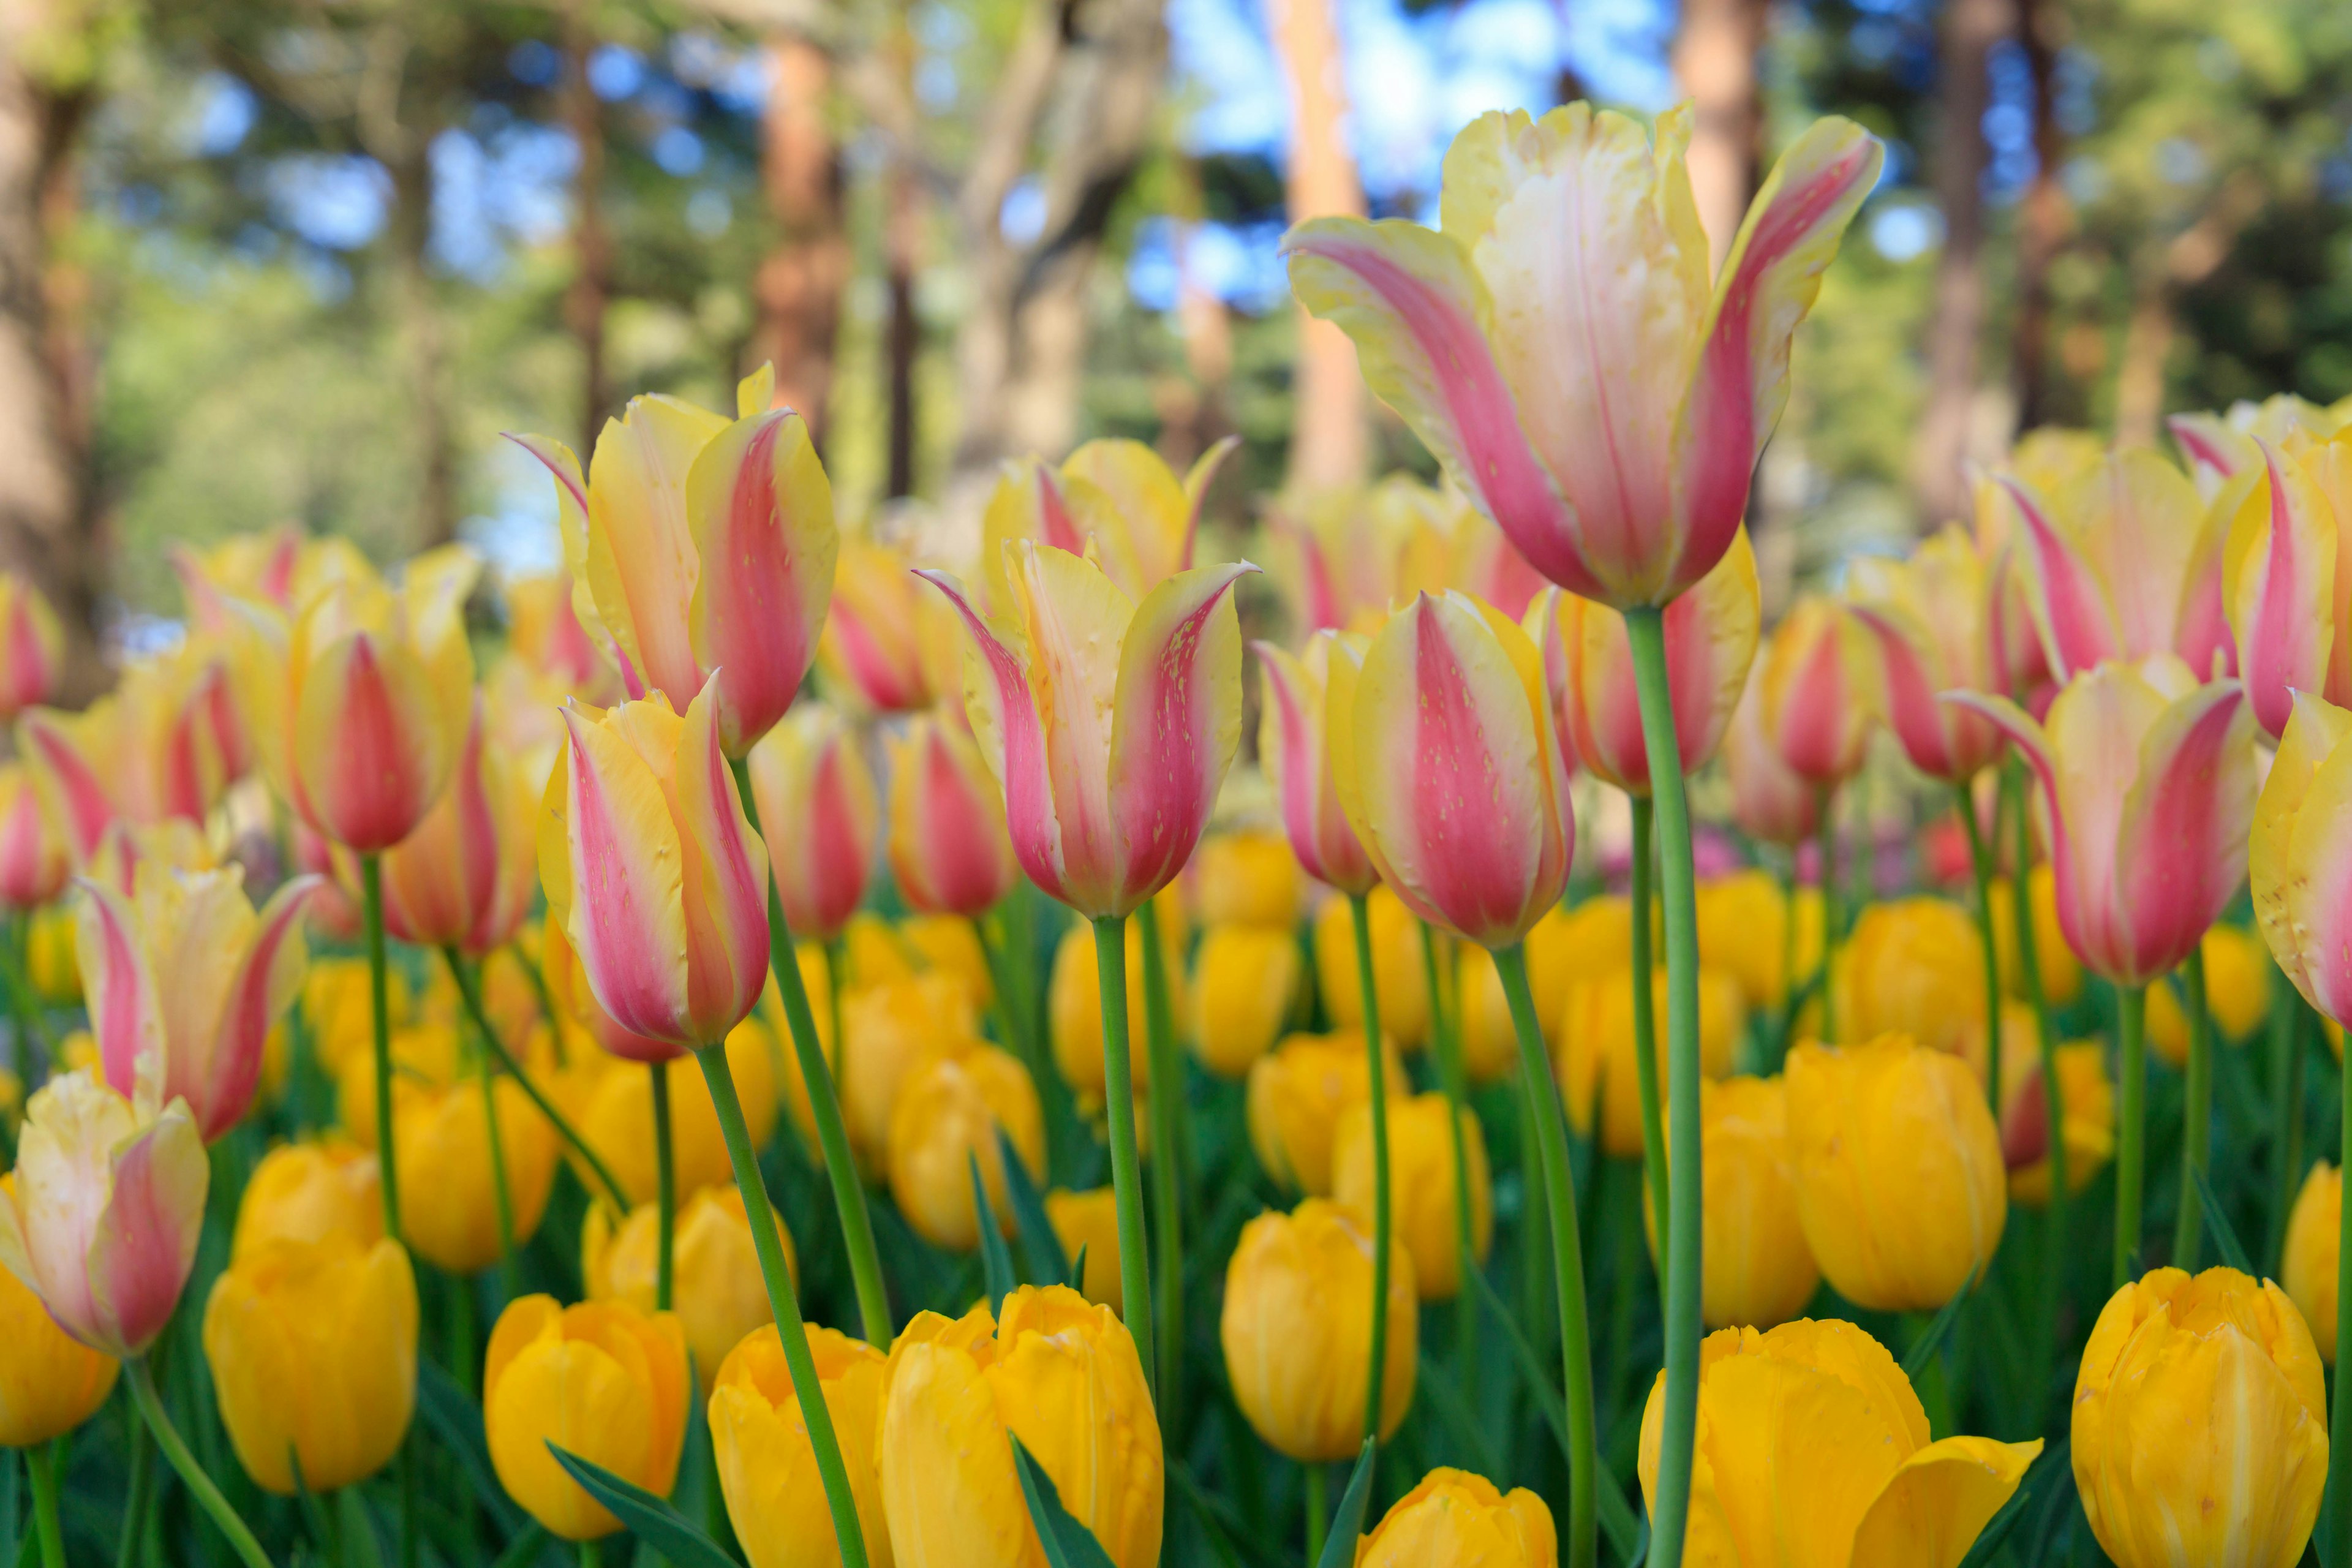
{"x": 2301, "y": 866}
{"x": 723, "y": 888}
{"x": 1935, "y": 1505}
{"x": 2214, "y": 451}
{"x": 2149, "y": 536}
{"x": 146, "y": 1240}
{"x": 265, "y": 981}
{"x": 2181, "y": 845}
{"x": 641, "y": 567}
{"x": 1197, "y": 480}
{"x": 2069, "y": 603}
{"x": 126, "y": 1014}
{"x": 69, "y": 775}
{"x": 1294, "y": 751}
{"x": 626, "y": 912}
{"x": 2278, "y": 578}
{"x": 1143, "y": 516}
{"x": 370, "y": 742}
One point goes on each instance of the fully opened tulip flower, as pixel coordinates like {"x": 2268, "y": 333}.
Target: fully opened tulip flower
{"x": 603, "y": 1381}
{"x": 949, "y": 853}
{"x": 465, "y": 877}
{"x": 889, "y": 645}
{"x": 720, "y": 1294}
{"x": 696, "y": 545}
{"x": 32, "y": 646}
{"x": 1456, "y": 1519}
{"x": 1929, "y": 616}
{"x": 820, "y": 817}
{"x": 766, "y": 1469}
{"x": 1295, "y": 729}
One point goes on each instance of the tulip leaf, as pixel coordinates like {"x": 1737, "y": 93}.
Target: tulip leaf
{"x": 1067, "y": 1543}
{"x": 1348, "y": 1524}
{"x": 457, "y": 1421}
{"x": 2051, "y": 1477}
{"x": 525, "y": 1547}
{"x": 1931, "y": 1338}
{"x": 2225, "y": 1235}
{"x": 996, "y": 1257}
{"x": 649, "y": 1518}
{"x": 1041, "y": 1249}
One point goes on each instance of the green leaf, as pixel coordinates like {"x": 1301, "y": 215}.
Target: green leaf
{"x": 1041, "y": 1249}
{"x": 1218, "y": 1516}
{"x": 2225, "y": 1237}
{"x": 457, "y": 1421}
{"x": 523, "y": 1547}
{"x": 1348, "y": 1524}
{"x": 996, "y": 1260}
{"x": 1069, "y": 1543}
{"x": 1931, "y": 1338}
{"x": 2039, "y": 1485}
{"x": 649, "y": 1518}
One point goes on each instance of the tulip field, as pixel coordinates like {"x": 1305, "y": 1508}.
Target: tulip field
{"x": 1408, "y": 1043}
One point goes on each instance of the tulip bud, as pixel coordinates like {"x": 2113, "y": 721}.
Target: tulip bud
{"x": 312, "y": 1348}
{"x": 2237, "y": 994}
{"x": 1074, "y": 1004}
{"x": 1088, "y": 1223}
{"x": 1841, "y": 1472}
{"x": 49, "y": 1383}
{"x": 1247, "y": 878}
{"x": 717, "y": 1290}
{"x": 32, "y": 646}
{"x": 820, "y": 817}
{"x": 1770, "y": 802}
{"x": 1595, "y": 1058}
{"x": 1244, "y": 980}
{"x": 949, "y": 850}
{"x": 2307, "y": 1269}
{"x": 610, "y": 1104}
{"x": 446, "y": 1128}
{"x": 1743, "y": 931}
{"x": 465, "y": 877}
{"x": 1301, "y": 715}
{"x": 34, "y": 857}
{"x": 2062, "y": 971}
{"x": 1913, "y": 966}
{"x": 2200, "y": 1424}
{"x": 2279, "y": 577}
{"x": 1928, "y": 617}
{"x": 1399, "y": 976}
{"x": 958, "y": 1390}
{"x": 308, "y": 1192}
{"x": 1420, "y": 1184}
{"x": 1758, "y": 1270}
{"x": 1456, "y": 1519}
{"x": 1295, "y": 1095}
{"x": 1297, "y": 1329}
{"x": 948, "y": 1114}
{"x": 1900, "y": 1180}
{"x": 603, "y": 1380}
{"x": 766, "y": 1467}
{"x": 890, "y": 645}
{"x": 890, "y": 1031}
{"x": 1821, "y": 692}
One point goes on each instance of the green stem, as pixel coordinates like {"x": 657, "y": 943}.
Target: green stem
{"x": 510, "y": 1279}
{"x": 592, "y": 1553}
{"x": 824, "y": 1103}
{"x": 1118, "y": 1110}
{"x": 2131, "y": 1140}
{"x": 664, "y": 1190}
{"x": 1826, "y": 830}
{"x": 1446, "y": 1046}
{"x": 1568, "y": 1260}
{"x": 470, "y": 993}
{"x": 140, "y": 1499}
{"x": 1646, "y": 629}
{"x": 531, "y": 971}
{"x": 2196, "y": 1114}
{"x": 1318, "y": 1513}
{"x": 1980, "y": 865}
{"x": 2045, "y": 1033}
{"x": 790, "y": 1328}
{"x": 2286, "y": 1109}
{"x": 387, "y": 1160}
{"x": 1645, "y": 1025}
{"x": 461, "y": 1333}
{"x": 200, "y": 1485}
{"x": 2339, "y": 1425}
{"x": 32, "y": 1022}
{"x": 1376, "y": 1074}
{"x": 41, "y": 1460}
{"x": 1165, "y": 1099}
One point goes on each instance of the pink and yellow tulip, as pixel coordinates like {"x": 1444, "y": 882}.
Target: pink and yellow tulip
{"x": 889, "y": 645}
{"x": 949, "y": 850}
{"x": 32, "y": 646}
{"x": 2300, "y": 856}
{"x": 1821, "y": 693}
{"x": 819, "y": 813}
{"x": 1769, "y": 802}
{"x": 35, "y": 859}
{"x": 465, "y": 877}
{"x": 1306, "y": 704}
{"x": 1118, "y": 495}
{"x": 2287, "y": 572}
{"x": 1931, "y": 618}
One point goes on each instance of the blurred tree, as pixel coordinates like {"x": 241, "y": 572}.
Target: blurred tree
{"x": 802, "y": 274}
{"x": 1715, "y": 65}
{"x": 1967, "y": 33}
{"x": 1328, "y": 443}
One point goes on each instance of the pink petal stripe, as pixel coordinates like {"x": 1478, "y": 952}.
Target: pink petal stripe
{"x": 245, "y": 1019}
{"x": 753, "y": 623}
{"x": 375, "y": 780}
{"x": 1471, "y": 856}
{"x": 120, "y": 992}
{"x": 2077, "y": 627}
{"x": 143, "y": 1248}
{"x": 1055, "y": 525}
{"x": 838, "y": 861}
{"x": 1911, "y": 708}
{"x": 638, "y": 983}
{"x": 2280, "y": 652}
{"x": 960, "y": 873}
{"x": 1166, "y": 786}
{"x": 2182, "y": 855}
{"x": 2210, "y": 454}
{"x": 87, "y": 806}
{"x": 885, "y": 683}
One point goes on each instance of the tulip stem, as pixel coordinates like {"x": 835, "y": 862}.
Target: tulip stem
{"x": 1165, "y": 1098}
{"x": 133, "y": 1546}
{"x": 380, "y": 1007}
{"x": 1826, "y": 830}
{"x": 200, "y": 1485}
{"x": 1980, "y": 867}
{"x": 470, "y": 995}
{"x": 41, "y": 1460}
{"x": 2339, "y": 1425}
{"x": 509, "y": 1279}
{"x": 1645, "y": 1024}
{"x": 790, "y": 1328}
{"x": 1446, "y": 1046}
{"x": 32, "y": 1027}
{"x": 532, "y": 971}
{"x": 1376, "y": 1074}
{"x": 1318, "y": 1512}
{"x": 1119, "y": 1111}
{"x": 2053, "y": 1104}
{"x": 2286, "y": 1109}
{"x": 1670, "y": 1502}
{"x": 664, "y": 1189}
{"x": 824, "y": 1101}
{"x": 1568, "y": 1260}
{"x": 2131, "y": 1145}
{"x": 2196, "y": 1114}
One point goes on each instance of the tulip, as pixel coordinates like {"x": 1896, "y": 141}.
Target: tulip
{"x": 457, "y": 1225}
{"x": 2280, "y": 580}
{"x": 465, "y": 877}
{"x": 1054, "y": 1371}
{"x": 949, "y": 1114}
{"x": 1430, "y": 1210}
{"x": 1744, "y": 931}
{"x": 34, "y": 857}
{"x": 1913, "y": 966}
{"x": 32, "y": 646}
{"x": 767, "y": 1468}
{"x": 1759, "y": 1271}
{"x": 1822, "y": 691}
{"x": 1117, "y": 496}
{"x": 889, "y": 1032}
{"x": 1246, "y": 978}
{"x": 1566, "y": 949}
{"x": 1819, "y": 1454}
{"x": 546, "y": 632}
{"x": 1296, "y": 1331}
{"x": 2307, "y": 1269}
{"x": 720, "y": 1294}
{"x": 1074, "y": 1004}
{"x": 309, "y": 1193}
{"x": 889, "y": 647}
{"x": 1297, "y": 722}
{"x": 1297, "y": 1093}
{"x": 2237, "y": 994}
{"x": 1901, "y": 1187}
{"x": 1770, "y": 800}
{"x": 2220, "y": 446}
{"x": 1086, "y": 1227}
{"x": 49, "y": 1383}
{"x": 949, "y": 853}
{"x": 669, "y": 489}
{"x": 1342, "y": 556}
{"x": 2061, "y": 971}
{"x": 1456, "y": 1520}
{"x": 283, "y": 567}
{"x": 818, "y": 808}
{"x": 1928, "y": 617}
{"x": 1247, "y": 877}
{"x": 1400, "y": 980}
{"x": 1598, "y": 1071}
{"x": 2200, "y": 1433}
{"x": 603, "y": 1381}
{"x": 312, "y": 1347}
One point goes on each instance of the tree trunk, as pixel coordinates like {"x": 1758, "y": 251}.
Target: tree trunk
{"x": 800, "y": 282}
{"x": 2042, "y": 217}
{"x": 1957, "y": 327}
{"x": 1329, "y": 438}
{"x": 2140, "y": 371}
{"x": 419, "y": 315}
{"x": 902, "y": 335}
{"x": 1714, "y": 61}
{"x": 591, "y": 243}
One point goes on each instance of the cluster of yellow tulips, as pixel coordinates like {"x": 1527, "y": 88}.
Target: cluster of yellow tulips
{"x": 680, "y": 959}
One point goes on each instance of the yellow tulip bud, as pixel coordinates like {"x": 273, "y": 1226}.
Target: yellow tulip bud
{"x": 1249, "y": 877}
{"x": 603, "y": 1381}
{"x": 452, "y": 1222}
{"x": 337, "y": 1005}
{"x": 1456, "y": 1519}
{"x": 1595, "y": 1058}
{"x": 1820, "y": 1455}
{"x": 309, "y": 1192}
{"x": 1420, "y": 1184}
{"x": 424, "y": 1054}
{"x": 1297, "y": 1329}
{"x": 1398, "y": 976}
{"x": 1296, "y": 1094}
{"x": 1912, "y": 966}
{"x": 1074, "y": 1002}
{"x": 312, "y": 1347}
{"x": 2312, "y": 1245}
{"x": 1743, "y": 930}
{"x": 1088, "y": 1221}
{"x": 49, "y": 961}
{"x": 1057, "y": 1373}
{"x": 1758, "y": 1270}
{"x": 1244, "y": 980}
{"x": 2200, "y": 1424}
{"x": 947, "y": 1116}
{"x": 717, "y": 1287}
{"x": 1901, "y": 1187}
{"x": 890, "y": 1031}
{"x": 50, "y": 1383}
{"x": 610, "y": 1102}
{"x": 2062, "y": 971}
{"x": 766, "y": 1467}
{"x": 951, "y": 943}
{"x": 2237, "y": 994}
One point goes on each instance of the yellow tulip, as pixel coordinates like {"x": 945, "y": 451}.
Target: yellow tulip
{"x": 312, "y": 1347}
{"x": 1297, "y": 1329}
{"x": 1057, "y": 1373}
{"x": 444, "y": 1131}
{"x": 1819, "y": 1455}
{"x": 1073, "y": 1001}
{"x": 1248, "y": 878}
{"x": 1456, "y": 1519}
{"x": 1759, "y": 1269}
{"x": 611, "y": 1103}
{"x": 339, "y": 1009}
{"x": 1244, "y": 980}
{"x": 1088, "y": 1223}
{"x": 1296, "y": 1093}
{"x": 947, "y": 1115}
{"x": 601, "y": 1380}
{"x": 891, "y": 1030}
{"x": 951, "y": 943}
{"x": 1743, "y": 930}
{"x": 1913, "y": 966}
{"x": 1398, "y": 976}
{"x": 2200, "y": 1424}
{"x": 1595, "y": 1060}
{"x": 49, "y": 1382}
{"x": 766, "y": 1467}
{"x": 2312, "y": 1246}
{"x": 1420, "y": 1184}
{"x": 2237, "y": 994}
{"x": 1901, "y": 1187}
{"x": 309, "y": 1192}
{"x": 717, "y": 1287}
{"x": 2062, "y": 971}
